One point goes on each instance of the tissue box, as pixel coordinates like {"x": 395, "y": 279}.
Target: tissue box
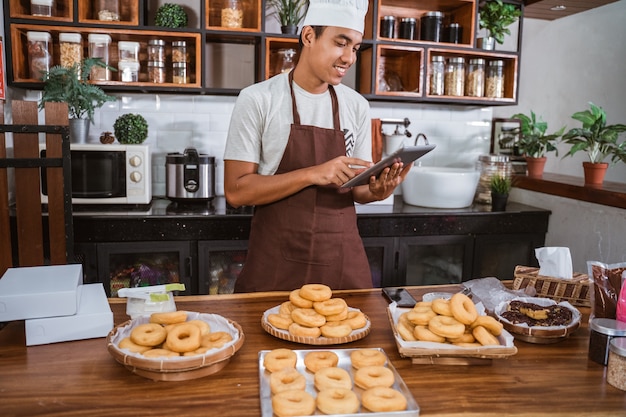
{"x": 94, "y": 318}
{"x": 577, "y": 291}
{"x": 39, "y": 291}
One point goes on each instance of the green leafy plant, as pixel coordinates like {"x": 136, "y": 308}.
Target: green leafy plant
{"x": 131, "y": 129}
{"x": 500, "y": 184}
{"x": 287, "y": 12}
{"x": 534, "y": 142}
{"x": 595, "y": 137}
{"x": 70, "y": 85}
{"x": 496, "y": 16}
{"x": 171, "y": 16}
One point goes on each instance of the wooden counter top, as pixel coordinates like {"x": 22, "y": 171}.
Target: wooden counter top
{"x": 81, "y": 378}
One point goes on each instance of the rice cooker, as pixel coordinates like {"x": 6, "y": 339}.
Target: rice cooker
{"x": 190, "y": 176}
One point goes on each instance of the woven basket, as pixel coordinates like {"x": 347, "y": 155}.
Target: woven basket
{"x": 577, "y": 291}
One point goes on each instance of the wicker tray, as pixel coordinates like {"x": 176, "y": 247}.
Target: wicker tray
{"x": 180, "y": 368}
{"x": 285, "y": 335}
{"x": 577, "y": 291}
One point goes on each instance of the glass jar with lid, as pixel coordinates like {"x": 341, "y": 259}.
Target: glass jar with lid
{"x": 284, "y": 60}
{"x": 107, "y": 10}
{"x": 179, "y": 73}
{"x": 232, "y": 14}
{"x": 156, "y": 72}
{"x": 430, "y": 26}
{"x": 179, "y": 51}
{"x": 475, "y": 78}
{"x": 71, "y": 49}
{"x": 494, "y": 84}
{"x": 407, "y": 28}
{"x": 437, "y": 69}
{"x": 39, "y": 53}
{"x": 156, "y": 51}
{"x": 454, "y": 82}
{"x": 99, "y": 48}
{"x": 490, "y": 166}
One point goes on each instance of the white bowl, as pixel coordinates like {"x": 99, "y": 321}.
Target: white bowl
{"x": 440, "y": 187}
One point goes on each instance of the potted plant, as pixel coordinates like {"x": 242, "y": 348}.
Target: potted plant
{"x": 289, "y": 13}
{"x": 131, "y": 129}
{"x": 171, "y": 15}
{"x": 70, "y": 85}
{"x": 598, "y": 140}
{"x": 496, "y": 16}
{"x": 500, "y": 189}
{"x": 534, "y": 143}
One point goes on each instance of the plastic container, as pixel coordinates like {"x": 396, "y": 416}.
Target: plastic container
{"x": 430, "y": 26}
{"x": 179, "y": 73}
{"x": 454, "y": 82}
{"x": 179, "y": 51}
{"x": 156, "y": 51}
{"x": 437, "y": 70}
{"x": 407, "y": 28}
{"x": 99, "y": 48}
{"x": 128, "y": 71}
{"x": 232, "y": 14}
{"x": 107, "y": 10}
{"x": 42, "y": 8}
{"x": 602, "y": 332}
{"x": 39, "y": 53}
{"x": 475, "y": 78}
{"x": 71, "y": 49}
{"x": 616, "y": 372}
{"x": 387, "y": 27}
{"x": 156, "y": 72}
{"x": 490, "y": 166}
{"x": 494, "y": 83}
{"x": 128, "y": 51}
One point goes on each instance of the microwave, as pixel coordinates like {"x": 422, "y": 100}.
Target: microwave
{"x": 107, "y": 174}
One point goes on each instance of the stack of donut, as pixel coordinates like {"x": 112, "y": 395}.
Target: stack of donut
{"x": 334, "y": 385}
{"x": 313, "y": 312}
{"x": 454, "y": 321}
{"x": 171, "y": 334}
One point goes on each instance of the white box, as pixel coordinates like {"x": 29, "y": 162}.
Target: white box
{"x": 93, "y": 319}
{"x": 39, "y": 291}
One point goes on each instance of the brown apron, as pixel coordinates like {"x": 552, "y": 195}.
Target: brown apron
{"x": 311, "y": 236}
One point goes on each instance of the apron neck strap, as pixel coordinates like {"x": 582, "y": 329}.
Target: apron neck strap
{"x": 333, "y": 97}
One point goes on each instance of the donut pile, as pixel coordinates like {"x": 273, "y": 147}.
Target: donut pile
{"x": 454, "y": 321}
{"x": 313, "y": 312}
{"x": 334, "y": 385}
{"x": 171, "y": 334}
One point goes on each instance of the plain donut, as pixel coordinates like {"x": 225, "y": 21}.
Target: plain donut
{"x": 278, "y": 359}
{"x": 286, "y": 379}
{"x": 171, "y": 317}
{"x": 383, "y": 399}
{"x": 148, "y": 334}
{"x": 332, "y": 377}
{"x": 316, "y": 292}
{"x": 463, "y": 308}
{"x": 316, "y": 360}
{"x": 293, "y": 402}
{"x": 373, "y": 376}
{"x": 337, "y": 401}
{"x": 367, "y": 357}
{"x": 184, "y": 338}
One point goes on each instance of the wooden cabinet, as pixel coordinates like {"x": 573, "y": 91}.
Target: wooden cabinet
{"x": 224, "y": 57}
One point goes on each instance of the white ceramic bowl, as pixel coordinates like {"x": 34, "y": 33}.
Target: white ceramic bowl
{"x": 440, "y": 187}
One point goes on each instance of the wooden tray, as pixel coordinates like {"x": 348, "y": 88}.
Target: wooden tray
{"x": 175, "y": 369}
{"x": 285, "y": 335}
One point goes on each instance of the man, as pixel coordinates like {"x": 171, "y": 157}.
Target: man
{"x": 293, "y": 141}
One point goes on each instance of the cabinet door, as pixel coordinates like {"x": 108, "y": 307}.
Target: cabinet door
{"x": 138, "y": 264}
{"x": 433, "y": 260}
{"x": 380, "y": 255}
{"x": 219, "y": 265}
{"x": 498, "y": 255}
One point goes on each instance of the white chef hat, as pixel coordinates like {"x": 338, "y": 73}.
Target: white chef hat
{"x": 341, "y": 13}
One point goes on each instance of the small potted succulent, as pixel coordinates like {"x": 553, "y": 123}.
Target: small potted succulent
{"x": 500, "y": 189}
{"x": 289, "y": 13}
{"x": 496, "y": 16}
{"x": 131, "y": 129}
{"x": 171, "y": 15}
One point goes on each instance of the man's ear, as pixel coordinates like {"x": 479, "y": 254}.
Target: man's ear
{"x": 307, "y": 35}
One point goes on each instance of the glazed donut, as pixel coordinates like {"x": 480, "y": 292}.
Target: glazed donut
{"x": 341, "y": 316}
{"x": 316, "y": 360}
{"x": 172, "y": 317}
{"x": 466, "y": 337}
{"x": 184, "y": 338}
{"x": 383, "y": 399}
{"x": 298, "y": 301}
{"x": 333, "y": 377}
{"x": 277, "y": 359}
{"x": 286, "y": 379}
{"x": 367, "y": 357}
{"x": 446, "y": 326}
{"x": 298, "y": 330}
{"x": 442, "y": 307}
{"x": 420, "y": 315}
{"x": 126, "y": 343}
{"x": 316, "y": 292}
{"x": 423, "y": 334}
{"x": 148, "y": 334}
{"x": 202, "y": 325}
{"x": 337, "y": 401}
{"x": 280, "y": 321}
{"x": 463, "y": 308}
{"x": 215, "y": 340}
{"x": 293, "y": 402}
{"x": 330, "y": 307}
{"x": 334, "y": 329}
{"x": 286, "y": 308}
{"x": 307, "y": 317}
{"x": 489, "y": 323}
{"x": 160, "y": 353}
{"x": 484, "y": 337}
{"x": 373, "y": 376}
{"x": 356, "y": 319}
{"x": 406, "y": 329}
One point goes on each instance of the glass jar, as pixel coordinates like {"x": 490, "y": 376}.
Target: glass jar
{"x": 602, "y": 331}
{"x": 99, "y": 48}
{"x": 454, "y": 83}
{"x": 437, "y": 70}
{"x": 407, "y": 28}
{"x": 39, "y": 53}
{"x": 284, "y": 61}
{"x": 616, "y": 371}
{"x": 430, "y": 26}
{"x": 232, "y": 14}
{"x": 387, "y": 27}
{"x": 156, "y": 72}
{"x": 475, "y": 78}
{"x": 494, "y": 84}
{"x": 128, "y": 71}
{"x": 128, "y": 51}
{"x": 71, "y": 50}
{"x": 107, "y": 10}
{"x": 179, "y": 73}
{"x": 156, "y": 51}
{"x": 490, "y": 166}
{"x": 42, "y": 8}
{"x": 179, "y": 51}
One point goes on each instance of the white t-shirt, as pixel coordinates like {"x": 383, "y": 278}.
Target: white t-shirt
{"x": 262, "y": 117}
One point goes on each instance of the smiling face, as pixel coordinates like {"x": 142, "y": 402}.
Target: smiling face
{"x": 326, "y": 59}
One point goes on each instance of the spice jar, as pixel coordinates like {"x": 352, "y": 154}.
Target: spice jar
{"x": 494, "y": 84}
{"x": 179, "y": 51}
{"x": 407, "y": 28}
{"x": 71, "y": 50}
{"x": 454, "y": 82}
{"x": 603, "y": 331}
{"x": 232, "y": 14}
{"x": 39, "y": 53}
{"x": 616, "y": 371}
{"x": 387, "y": 27}
{"x": 99, "y": 48}
{"x": 107, "y": 10}
{"x": 156, "y": 72}
{"x": 490, "y": 166}
{"x": 156, "y": 51}
{"x": 42, "y": 8}
{"x": 430, "y": 26}
{"x": 475, "y": 78}
{"x": 437, "y": 69}
{"x": 179, "y": 73}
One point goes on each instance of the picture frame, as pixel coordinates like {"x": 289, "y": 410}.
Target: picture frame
{"x": 505, "y": 136}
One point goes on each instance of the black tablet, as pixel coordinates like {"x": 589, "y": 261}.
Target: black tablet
{"x": 406, "y": 155}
